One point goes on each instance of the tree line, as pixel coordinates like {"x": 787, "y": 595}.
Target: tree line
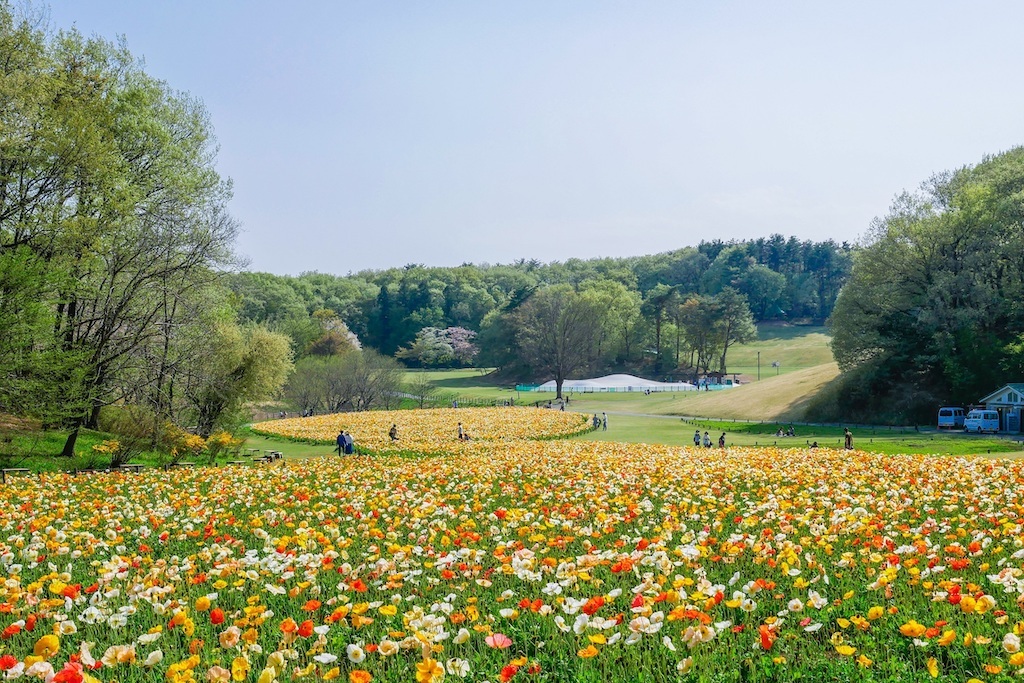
{"x": 665, "y": 314}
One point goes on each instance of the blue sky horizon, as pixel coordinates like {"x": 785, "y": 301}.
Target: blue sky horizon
{"x": 367, "y": 135}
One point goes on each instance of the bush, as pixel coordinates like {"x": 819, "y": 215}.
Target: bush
{"x": 133, "y": 427}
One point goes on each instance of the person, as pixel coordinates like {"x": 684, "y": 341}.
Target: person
{"x": 604, "y": 422}
{"x": 849, "y": 438}
{"x": 814, "y": 445}
{"x": 562, "y": 406}
{"x": 341, "y": 442}
{"x": 721, "y": 440}
{"x": 393, "y": 432}
{"x": 461, "y": 432}
{"x": 696, "y": 438}
{"x": 596, "y": 421}
{"x": 455, "y": 403}
{"x": 707, "y": 440}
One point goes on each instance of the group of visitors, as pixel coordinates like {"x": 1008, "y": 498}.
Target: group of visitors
{"x": 462, "y": 433}
{"x": 789, "y": 431}
{"x": 706, "y": 441}
{"x": 345, "y": 443}
{"x": 601, "y": 422}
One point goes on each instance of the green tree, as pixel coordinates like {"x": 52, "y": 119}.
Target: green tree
{"x": 931, "y": 312}
{"x": 558, "y": 330}
{"x": 660, "y": 301}
{"x": 251, "y": 364}
{"x": 764, "y": 290}
{"x": 734, "y": 323}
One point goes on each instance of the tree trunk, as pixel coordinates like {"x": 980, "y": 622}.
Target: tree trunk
{"x": 559, "y": 380}
{"x": 69, "y": 445}
{"x": 94, "y": 416}
{"x": 657, "y": 342}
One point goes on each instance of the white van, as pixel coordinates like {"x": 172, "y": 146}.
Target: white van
{"x": 982, "y": 421}
{"x": 951, "y": 418}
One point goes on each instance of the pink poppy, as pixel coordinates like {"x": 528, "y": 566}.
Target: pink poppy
{"x": 498, "y": 640}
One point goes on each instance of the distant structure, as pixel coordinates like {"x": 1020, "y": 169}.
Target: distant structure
{"x": 612, "y": 383}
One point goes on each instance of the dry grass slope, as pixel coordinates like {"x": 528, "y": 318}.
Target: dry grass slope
{"x": 779, "y": 398}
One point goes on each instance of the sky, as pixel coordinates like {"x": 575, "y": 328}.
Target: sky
{"x": 369, "y": 134}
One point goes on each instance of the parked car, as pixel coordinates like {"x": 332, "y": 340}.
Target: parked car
{"x": 979, "y": 421}
{"x": 951, "y": 417}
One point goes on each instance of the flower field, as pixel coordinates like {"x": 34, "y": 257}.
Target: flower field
{"x": 433, "y": 430}
{"x": 521, "y": 561}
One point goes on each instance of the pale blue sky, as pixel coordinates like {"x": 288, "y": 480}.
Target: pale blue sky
{"x": 375, "y": 134}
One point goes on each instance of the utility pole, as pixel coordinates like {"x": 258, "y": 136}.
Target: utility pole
{"x": 758, "y": 366}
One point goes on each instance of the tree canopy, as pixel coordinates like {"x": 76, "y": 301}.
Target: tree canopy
{"x": 114, "y": 231}
{"x": 932, "y": 311}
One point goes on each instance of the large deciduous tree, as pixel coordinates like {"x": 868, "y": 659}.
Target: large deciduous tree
{"x": 110, "y": 210}
{"x": 557, "y": 332}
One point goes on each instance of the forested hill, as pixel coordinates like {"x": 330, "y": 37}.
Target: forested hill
{"x": 781, "y": 279}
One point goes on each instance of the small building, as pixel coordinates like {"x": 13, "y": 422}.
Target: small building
{"x": 1009, "y": 403}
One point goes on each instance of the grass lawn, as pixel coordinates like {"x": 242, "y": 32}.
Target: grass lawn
{"x": 795, "y": 347}
{"x": 679, "y": 432}
{"x": 290, "y": 449}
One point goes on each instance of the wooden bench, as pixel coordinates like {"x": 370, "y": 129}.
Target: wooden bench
{"x": 13, "y": 470}
{"x": 239, "y": 462}
{"x": 183, "y": 464}
{"x": 134, "y": 467}
{"x": 250, "y": 452}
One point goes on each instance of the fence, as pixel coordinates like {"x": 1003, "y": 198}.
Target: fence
{"x": 669, "y": 388}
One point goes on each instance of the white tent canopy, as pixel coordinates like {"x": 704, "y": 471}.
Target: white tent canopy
{"x": 616, "y": 383}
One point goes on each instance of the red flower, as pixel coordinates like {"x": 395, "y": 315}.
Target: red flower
{"x": 508, "y": 672}
{"x": 71, "y": 673}
{"x": 592, "y": 605}
{"x": 7, "y": 661}
{"x": 216, "y": 616}
{"x": 306, "y": 628}
{"x": 358, "y": 586}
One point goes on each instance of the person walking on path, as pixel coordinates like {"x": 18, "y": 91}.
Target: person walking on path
{"x": 696, "y": 439}
{"x": 721, "y": 440}
{"x": 604, "y": 422}
{"x": 849, "y": 438}
{"x": 707, "y": 440}
{"x": 462, "y": 433}
{"x": 350, "y": 444}
{"x": 341, "y": 442}
{"x": 596, "y": 421}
